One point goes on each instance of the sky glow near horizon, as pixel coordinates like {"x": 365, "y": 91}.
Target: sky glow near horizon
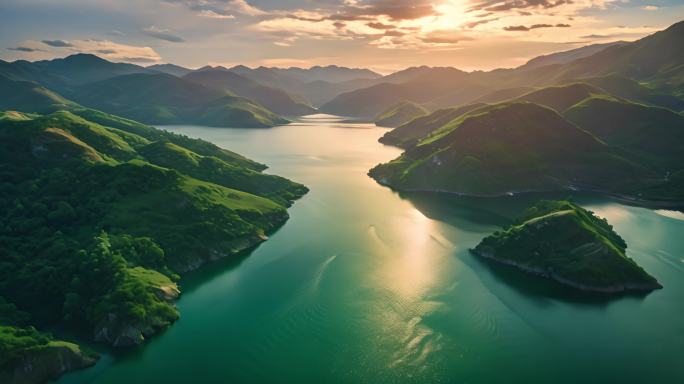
{"x": 378, "y": 34}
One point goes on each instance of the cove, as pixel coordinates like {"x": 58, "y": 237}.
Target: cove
{"x": 365, "y": 285}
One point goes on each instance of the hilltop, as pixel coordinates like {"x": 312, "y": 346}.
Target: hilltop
{"x": 562, "y": 241}
{"x": 399, "y": 114}
{"x": 520, "y": 147}
{"x": 105, "y": 213}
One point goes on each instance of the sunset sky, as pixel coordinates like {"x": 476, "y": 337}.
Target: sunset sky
{"x": 379, "y": 34}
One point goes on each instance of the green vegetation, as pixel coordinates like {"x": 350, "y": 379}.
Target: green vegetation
{"x": 629, "y": 89}
{"x": 166, "y": 99}
{"x": 653, "y": 133}
{"x": 563, "y": 97}
{"x": 511, "y": 148}
{"x": 409, "y": 134}
{"x": 564, "y": 242}
{"x": 102, "y": 215}
{"x": 399, "y": 114}
{"x": 30, "y": 97}
{"x": 27, "y": 355}
{"x": 274, "y": 99}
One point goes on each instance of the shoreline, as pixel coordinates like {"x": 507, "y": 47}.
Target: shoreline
{"x": 627, "y": 199}
{"x": 570, "y": 283}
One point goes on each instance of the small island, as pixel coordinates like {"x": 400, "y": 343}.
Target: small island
{"x": 562, "y": 241}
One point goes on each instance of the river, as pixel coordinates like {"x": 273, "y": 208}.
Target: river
{"x": 363, "y": 285}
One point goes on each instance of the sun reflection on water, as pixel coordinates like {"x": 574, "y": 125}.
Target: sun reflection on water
{"x": 407, "y": 276}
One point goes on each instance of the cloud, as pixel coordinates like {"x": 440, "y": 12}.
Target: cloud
{"x": 57, "y": 43}
{"x": 393, "y": 9}
{"x": 162, "y": 34}
{"x": 522, "y": 28}
{"x": 444, "y": 37}
{"x": 394, "y": 33}
{"x": 215, "y": 15}
{"x": 475, "y": 23}
{"x": 25, "y": 49}
{"x": 220, "y": 9}
{"x": 506, "y": 5}
{"x": 375, "y": 25}
{"x": 244, "y": 7}
{"x": 138, "y": 59}
{"x": 650, "y": 8}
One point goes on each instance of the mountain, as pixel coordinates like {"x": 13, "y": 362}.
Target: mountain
{"x": 27, "y": 96}
{"x": 101, "y": 218}
{"x": 319, "y": 92}
{"x": 166, "y": 99}
{"x": 503, "y": 95}
{"x": 410, "y": 133}
{"x": 330, "y": 73}
{"x": 423, "y": 72}
{"x": 518, "y": 147}
{"x": 653, "y": 132}
{"x": 273, "y": 99}
{"x": 170, "y": 69}
{"x": 656, "y": 59}
{"x": 315, "y": 92}
{"x": 418, "y": 85}
{"x": 266, "y": 76}
{"x": 564, "y": 242}
{"x": 562, "y": 97}
{"x": 570, "y": 55}
{"x": 30, "y": 356}
{"x": 632, "y": 90}
{"x": 78, "y": 69}
{"x": 399, "y": 114}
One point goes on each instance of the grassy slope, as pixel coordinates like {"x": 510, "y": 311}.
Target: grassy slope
{"x": 29, "y": 97}
{"x": 101, "y": 217}
{"x": 166, "y": 99}
{"x": 562, "y": 97}
{"x": 561, "y": 240}
{"x": 509, "y": 147}
{"x": 653, "y": 132}
{"x": 27, "y": 355}
{"x": 410, "y": 133}
{"x": 274, "y": 99}
{"x": 629, "y": 89}
{"x": 399, "y": 114}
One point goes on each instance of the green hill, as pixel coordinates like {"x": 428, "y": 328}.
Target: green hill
{"x": 442, "y": 87}
{"x": 656, "y": 59}
{"x": 410, "y": 133}
{"x": 629, "y": 89}
{"x": 399, "y": 114}
{"x": 27, "y": 96}
{"x": 166, "y": 99}
{"x": 63, "y": 74}
{"x": 655, "y": 133}
{"x": 511, "y": 148}
{"x": 566, "y": 243}
{"x": 30, "y": 356}
{"x": 562, "y": 97}
{"x": 274, "y": 99}
{"x": 102, "y": 217}
{"x": 503, "y": 95}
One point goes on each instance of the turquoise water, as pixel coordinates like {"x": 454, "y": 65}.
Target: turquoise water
{"x": 363, "y": 285}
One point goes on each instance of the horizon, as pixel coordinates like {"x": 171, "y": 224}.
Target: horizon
{"x": 383, "y": 36}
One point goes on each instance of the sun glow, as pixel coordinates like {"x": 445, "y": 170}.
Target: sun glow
{"x": 452, "y": 14}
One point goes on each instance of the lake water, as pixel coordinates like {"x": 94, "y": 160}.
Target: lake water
{"x": 363, "y": 285}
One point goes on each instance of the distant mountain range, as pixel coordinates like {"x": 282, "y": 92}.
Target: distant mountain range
{"x": 648, "y": 71}
{"x": 652, "y": 67}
